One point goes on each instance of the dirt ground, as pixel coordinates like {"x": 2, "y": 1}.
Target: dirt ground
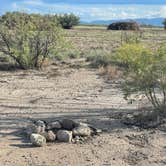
{"x": 74, "y": 93}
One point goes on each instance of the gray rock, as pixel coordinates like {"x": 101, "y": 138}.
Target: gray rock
{"x": 37, "y": 140}
{"x": 54, "y": 125}
{"x": 64, "y": 136}
{"x": 81, "y": 131}
{"x": 68, "y": 124}
{"x": 40, "y": 123}
{"x": 94, "y": 130}
{"x": 77, "y": 137}
{"x": 35, "y": 129}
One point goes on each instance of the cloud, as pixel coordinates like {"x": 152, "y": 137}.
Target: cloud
{"x": 14, "y": 5}
{"x": 163, "y": 11}
{"x": 33, "y": 2}
{"x": 93, "y": 11}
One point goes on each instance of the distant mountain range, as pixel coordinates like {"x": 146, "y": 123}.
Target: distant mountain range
{"x": 145, "y": 21}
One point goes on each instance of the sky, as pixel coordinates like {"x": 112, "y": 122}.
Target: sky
{"x": 89, "y": 10}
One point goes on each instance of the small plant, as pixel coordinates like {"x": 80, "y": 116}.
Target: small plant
{"x": 99, "y": 58}
{"x": 69, "y": 53}
{"x": 145, "y": 73}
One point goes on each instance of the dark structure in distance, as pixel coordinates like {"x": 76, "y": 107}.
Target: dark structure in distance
{"x": 124, "y": 26}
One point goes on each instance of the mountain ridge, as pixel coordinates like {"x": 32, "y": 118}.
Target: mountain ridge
{"x": 142, "y": 21}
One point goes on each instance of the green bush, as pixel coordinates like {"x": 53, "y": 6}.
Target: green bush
{"x": 67, "y": 21}
{"x": 28, "y": 39}
{"x": 145, "y": 72}
{"x": 133, "y": 55}
{"x": 164, "y": 23}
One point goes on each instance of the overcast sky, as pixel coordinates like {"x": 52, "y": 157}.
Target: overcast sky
{"x": 89, "y": 10}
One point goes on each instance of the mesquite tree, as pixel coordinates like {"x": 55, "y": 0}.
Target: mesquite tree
{"x": 67, "y": 21}
{"x": 164, "y": 23}
{"x": 30, "y": 40}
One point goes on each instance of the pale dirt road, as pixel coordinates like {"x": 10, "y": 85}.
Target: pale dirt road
{"x": 80, "y": 94}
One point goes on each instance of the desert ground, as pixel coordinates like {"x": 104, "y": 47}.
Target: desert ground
{"x": 76, "y": 91}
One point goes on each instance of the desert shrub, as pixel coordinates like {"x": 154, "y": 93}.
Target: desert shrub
{"x": 69, "y": 53}
{"x": 131, "y": 54}
{"x": 67, "y": 21}
{"x": 11, "y": 19}
{"x": 146, "y": 118}
{"x": 145, "y": 73}
{"x": 131, "y": 37}
{"x": 99, "y": 58}
{"x": 164, "y": 23}
{"x": 28, "y": 39}
{"x": 123, "y": 26}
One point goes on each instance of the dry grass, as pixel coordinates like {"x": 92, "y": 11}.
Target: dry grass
{"x": 111, "y": 72}
{"x": 88, "y": 38}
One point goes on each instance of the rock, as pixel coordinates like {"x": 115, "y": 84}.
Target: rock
{"x": 50, "y": 136}
{"x": 95, "y": 131}
{"x": 76, "y": 139}
{"x": 64, "y": 136}
{"x": 79, "y": 124}
{"x": 35, "y": 129}
{"x": 81, "y": 131}
{"x": 37, "y": 140}
{"x": 54, "y": 125}
{"x": 73, "y": 141}
{"x": 98, "y": 131}
{"x": 40, "y": 129}
{"x": 68, "y": 124}
{"x": 30, "y": 129}
{"x": 40, "y": 123}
